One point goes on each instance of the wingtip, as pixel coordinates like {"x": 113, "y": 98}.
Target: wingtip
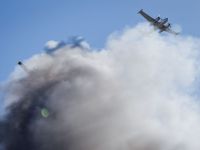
{"x": 140, "y": 11}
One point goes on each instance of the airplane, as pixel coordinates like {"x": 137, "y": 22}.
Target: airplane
{"x": 158, "y": 23}
{"x": 19, "y": 63}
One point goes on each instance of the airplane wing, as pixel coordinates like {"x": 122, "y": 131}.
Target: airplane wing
{"x": 171, "y": 31}
{"x": 146, "y": 16}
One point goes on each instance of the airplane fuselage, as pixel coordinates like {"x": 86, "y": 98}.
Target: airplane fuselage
{"x": 160, "y": 25}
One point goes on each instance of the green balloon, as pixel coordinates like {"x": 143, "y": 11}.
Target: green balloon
{"x": 45, "y": 112}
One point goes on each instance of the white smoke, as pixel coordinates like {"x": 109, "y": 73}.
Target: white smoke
{"x": 139, "y": 93}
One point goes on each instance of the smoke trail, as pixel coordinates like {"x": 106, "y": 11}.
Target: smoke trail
{"x": 140, "y": 92}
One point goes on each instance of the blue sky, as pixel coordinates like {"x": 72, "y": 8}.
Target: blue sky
{"x": 27, "y": 24}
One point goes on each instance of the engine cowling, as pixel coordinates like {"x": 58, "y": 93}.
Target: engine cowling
{"x": 157, "y": 19}
{"x": 168, "y": 25}
{"x": 164, "y": 21}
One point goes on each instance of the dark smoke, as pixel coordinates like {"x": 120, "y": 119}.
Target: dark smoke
{"x": 18, "y": 134}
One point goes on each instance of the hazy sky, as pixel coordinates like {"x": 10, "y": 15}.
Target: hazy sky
{"x": 27, "y": 24}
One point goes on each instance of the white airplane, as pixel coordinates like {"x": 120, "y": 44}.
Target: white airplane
{"x": 158, "y": 23}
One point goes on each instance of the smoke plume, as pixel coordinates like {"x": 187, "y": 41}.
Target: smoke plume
{"x": 138, "y": 93}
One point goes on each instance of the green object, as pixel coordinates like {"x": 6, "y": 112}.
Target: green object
{"x": 44, "y": 112}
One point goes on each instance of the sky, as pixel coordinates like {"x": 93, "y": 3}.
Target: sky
{"x": 27, "y": 25}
